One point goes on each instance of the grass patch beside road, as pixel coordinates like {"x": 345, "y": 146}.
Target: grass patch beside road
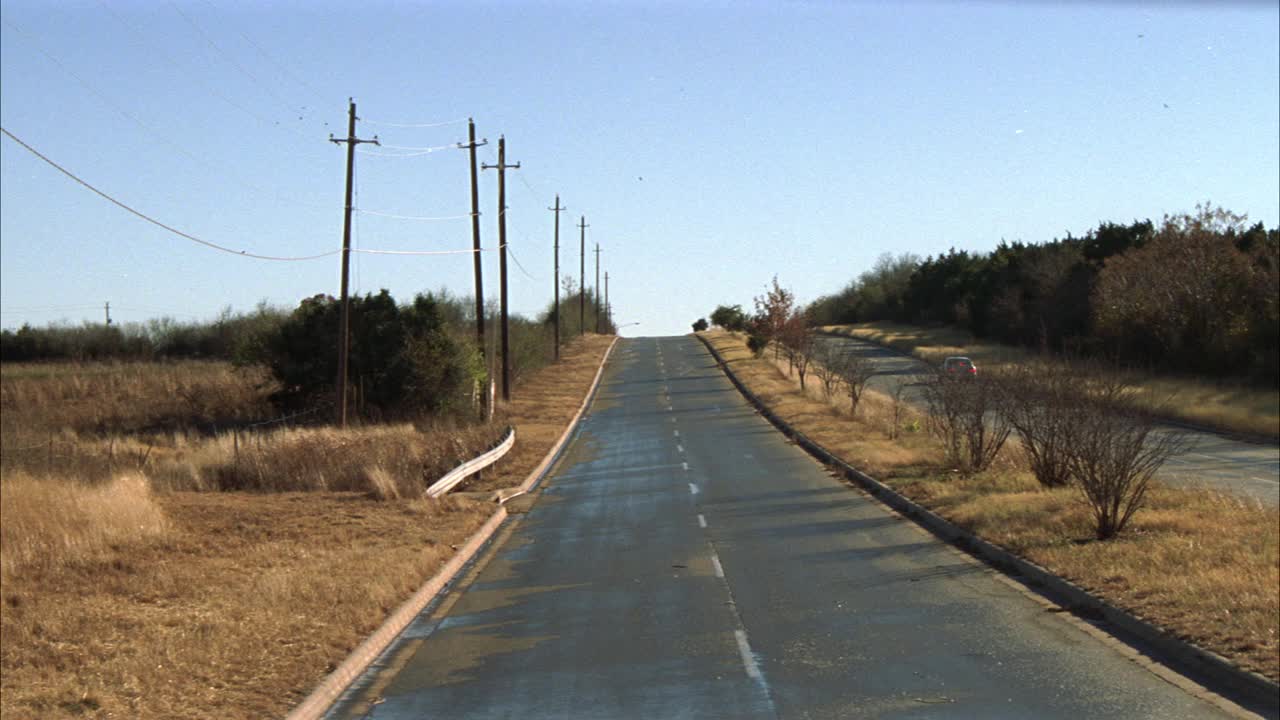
{"x": 130, "y": 586}
{"x": 1203, "y": 565}
{"x": 1227, "y": 406}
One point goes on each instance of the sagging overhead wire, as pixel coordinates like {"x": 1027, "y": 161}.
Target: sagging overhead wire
{"x": 517, "y": 261}
{"x": 153, "y": 221}
{"x": 149, "y": 129}
{"x": 414, "y": 125}
{"x": 414, "y": 152}
{"x": 209, "y": 87}
{"x": 468, "y": 251}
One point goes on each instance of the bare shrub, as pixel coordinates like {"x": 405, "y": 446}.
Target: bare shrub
{"x": 1043, "y": 405}
{"x": 963, "y": 413}
{"x": 1114, "y": 451}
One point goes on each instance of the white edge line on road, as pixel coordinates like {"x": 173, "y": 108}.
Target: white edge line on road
{"x": 702, "y": 521}
{"x": 748, "y": 658}
{"x": 715, "y": 563}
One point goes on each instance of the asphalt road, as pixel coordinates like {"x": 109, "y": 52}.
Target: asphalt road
{"x": 1214, "y": 461}
{"x": 685, "y": 561}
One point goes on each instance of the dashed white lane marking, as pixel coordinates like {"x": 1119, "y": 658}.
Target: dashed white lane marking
{"x": 669, "y": 408}
{"x": 715, "y": 563}
{"x": 675, "y": 433}
{"x": 685, "y": 465}
{"x": 702, "y": 521}
{"x": 693, "y": 488}
{"x": 679, "y": 448}
{"x": 748, "y": 657}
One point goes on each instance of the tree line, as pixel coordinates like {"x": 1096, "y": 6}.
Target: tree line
{"x": 406, "y": 359}
{"x": 1198, "y": 293}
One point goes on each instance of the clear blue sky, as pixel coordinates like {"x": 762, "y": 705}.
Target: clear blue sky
{"x": 710, "y": 146}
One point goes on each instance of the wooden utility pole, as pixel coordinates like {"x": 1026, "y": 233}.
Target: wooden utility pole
{"x": 582, "y": 276}
{"x": 501, "y": 167}
{"x": 596, "y": 299}
{"x": 107, "y": 308}
{"x": 475, "y": 244}
{"x": 608, "y": 312}
{"x": 344, "y": 323}
{"x": 555, "y": 314}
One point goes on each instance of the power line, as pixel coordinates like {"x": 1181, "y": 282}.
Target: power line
{"x": 153, "y": 221}
{"x": 317, "y": 94}
{"x": 230, "y": 60}
{"x": 416, "y": 153}
{"x": 414, "y": 125}
{"x": 178, "y": 147}
{"x": 468, "y": 251}
{"x": 517, "y": 261}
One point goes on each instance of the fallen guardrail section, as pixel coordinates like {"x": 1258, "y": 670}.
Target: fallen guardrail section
{"x": 472, "y": 466}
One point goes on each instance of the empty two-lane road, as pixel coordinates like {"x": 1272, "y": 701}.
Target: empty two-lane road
{"x": 685, "y": 561}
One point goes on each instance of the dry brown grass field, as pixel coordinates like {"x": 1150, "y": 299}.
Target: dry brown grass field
{"x": 130, "y": 587}
{"x": 1225, "y": 405}
{"x": 1203, "y": 565}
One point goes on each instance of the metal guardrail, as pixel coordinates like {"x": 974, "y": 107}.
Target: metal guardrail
{"x": 472, "y": 466}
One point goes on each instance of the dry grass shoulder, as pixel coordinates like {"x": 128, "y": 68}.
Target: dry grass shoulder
{"x": 139, "y": 579}
{"x": 226, "y": 605}
{"x": 1228, "y": 406}
{"x": 1203, "y": 565}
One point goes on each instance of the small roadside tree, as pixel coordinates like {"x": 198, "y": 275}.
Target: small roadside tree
{"x": 855, "y": 370}
{"x": 772, "y": 311}
{"x": 700, "y": 324}
{"x": 797, "y": 344}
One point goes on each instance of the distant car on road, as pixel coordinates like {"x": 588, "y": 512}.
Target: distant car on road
{"x": 959, "y": 366}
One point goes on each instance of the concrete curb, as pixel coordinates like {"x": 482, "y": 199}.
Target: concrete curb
{"x": 331, "y": 688}
{"x": 1247, "y": 688}
{"x": 318, "y": 702}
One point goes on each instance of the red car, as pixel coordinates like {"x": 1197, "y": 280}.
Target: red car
{"x": 959, "y": 366}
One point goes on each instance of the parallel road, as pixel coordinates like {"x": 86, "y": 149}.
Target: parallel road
{"x": 685, "y": 561}
{"x": 1214, "y": 461}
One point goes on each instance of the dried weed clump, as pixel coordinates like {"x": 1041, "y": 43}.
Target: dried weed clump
{"x": 47, "y": 523}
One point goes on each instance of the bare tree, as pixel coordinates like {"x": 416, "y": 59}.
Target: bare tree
{"x": 899, "y": 405}
{"x": 825, "y": 358}
{"x": 963, "y": 414}
{"x": 855, "y": 371}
